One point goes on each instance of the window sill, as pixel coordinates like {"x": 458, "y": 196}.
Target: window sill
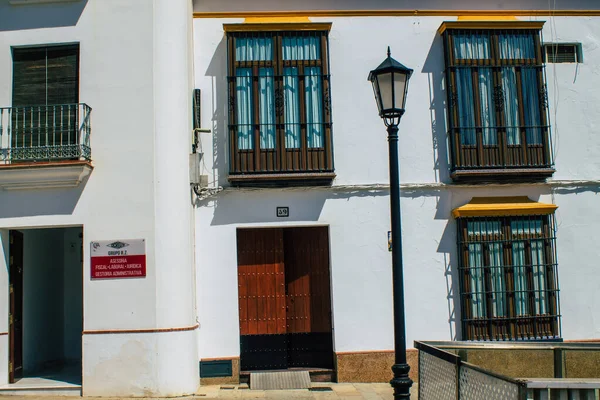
{"x": 282, "y": 179}
{"x": 502, "y": 175}
{"x": 46, "y": 175}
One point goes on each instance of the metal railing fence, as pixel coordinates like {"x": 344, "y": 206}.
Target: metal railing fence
{"x": 45, "y": 133}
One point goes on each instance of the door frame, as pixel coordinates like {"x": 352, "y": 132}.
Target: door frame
{"x": 327, "y": 246}
{"x": 15, "y": 284}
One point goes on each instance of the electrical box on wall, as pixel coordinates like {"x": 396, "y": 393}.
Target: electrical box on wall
{"x": 196, "y": 177}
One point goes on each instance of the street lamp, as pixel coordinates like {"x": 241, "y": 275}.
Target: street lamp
{"x": 390, "y": 84}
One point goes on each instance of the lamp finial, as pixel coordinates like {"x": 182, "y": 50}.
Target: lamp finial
{"x": 389, "y": 52}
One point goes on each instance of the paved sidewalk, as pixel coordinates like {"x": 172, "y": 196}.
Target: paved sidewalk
{"x": 350, "y": 391}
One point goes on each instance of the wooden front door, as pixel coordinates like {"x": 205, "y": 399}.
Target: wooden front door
{"x": 284, "y": 298}
{"x": 15, "y": 317}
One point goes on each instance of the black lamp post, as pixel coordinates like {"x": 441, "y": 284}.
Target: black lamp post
{"x": 390, "y": 84}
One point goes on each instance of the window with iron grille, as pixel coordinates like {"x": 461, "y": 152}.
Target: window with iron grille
{"x": 563, "y": 52}
{"x": 508, "y": 276}
{"x": 279, "y": 114}
{"x": 497, "y": 102}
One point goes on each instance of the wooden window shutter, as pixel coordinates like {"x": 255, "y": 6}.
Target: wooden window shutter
{"x": 46, "y": 76}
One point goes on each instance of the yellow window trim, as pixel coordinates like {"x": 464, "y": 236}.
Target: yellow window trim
{"x": 276, "y": 27}
{"x": 490, "y": 25}
{"x": 503, "y": 206}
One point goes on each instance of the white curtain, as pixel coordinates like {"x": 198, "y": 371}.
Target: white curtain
{"x": 266, "y": 100}
{"x": 291, "y": 109}
{"x": 314, "y": 104}
{"x": 243, "y": 89}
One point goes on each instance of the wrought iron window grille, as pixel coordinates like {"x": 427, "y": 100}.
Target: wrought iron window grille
{"x": 508, "y": 278}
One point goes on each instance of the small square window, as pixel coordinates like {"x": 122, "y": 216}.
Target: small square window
{"x": 563, "y": 53}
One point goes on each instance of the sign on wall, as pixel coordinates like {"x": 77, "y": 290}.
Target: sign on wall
{"x": 118, "y": 259}
{"x": 283, "y": 212}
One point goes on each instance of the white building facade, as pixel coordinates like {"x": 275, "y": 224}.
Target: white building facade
{"x": 272, "y": 251}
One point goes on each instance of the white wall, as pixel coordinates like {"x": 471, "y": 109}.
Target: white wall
{"x": 134, "y": 74}
{"x": 359, "y": 217}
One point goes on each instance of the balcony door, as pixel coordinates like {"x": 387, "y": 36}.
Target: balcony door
{"x": 284, "y": 298}
{"x": 44, "y": 111}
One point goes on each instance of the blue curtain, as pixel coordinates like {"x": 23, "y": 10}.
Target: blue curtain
{"x": 520, "y": 46}
{"x": 486, "y": 233}
{"x": 243, "y": 89}
{"x": 301, "y": 48}
{"x": 253, "y": 49}
{"x": 291, "y": 110}
{"x": 524, "y": 229}
{"x": 474, "y": 46}
{"x": 466, "y": 106}
{"x": 471, "y": 46}
{"x": 294, "y": 48}
{"x": 531, "y": 105}
{"x": 516, "y": 46}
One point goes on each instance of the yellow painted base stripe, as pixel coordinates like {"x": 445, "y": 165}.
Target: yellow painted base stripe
{"x": 394, "y": 13}
{"x": 503, "y": 206}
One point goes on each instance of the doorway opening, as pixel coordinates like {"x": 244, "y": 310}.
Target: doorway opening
{"x": 45, "y": 306}
{"x": 284, "y": 298}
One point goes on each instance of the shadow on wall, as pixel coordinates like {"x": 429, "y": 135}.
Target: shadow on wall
{"x": 217, "y": 70}
{"x": 434, "y": 68}
{"x": 35, "y": 16}
{"x": 248, "y": 206}
{"x": 29, "y": 203}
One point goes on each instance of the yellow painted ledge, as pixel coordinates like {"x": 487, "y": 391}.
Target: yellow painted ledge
{"x": 277, "y": 27}
{"x": 276, "y": 20}
{"x": 490, "y": 24}
{"x": 503, "y": 206}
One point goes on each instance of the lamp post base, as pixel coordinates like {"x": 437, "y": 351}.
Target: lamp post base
{"x": 401, "y": 382}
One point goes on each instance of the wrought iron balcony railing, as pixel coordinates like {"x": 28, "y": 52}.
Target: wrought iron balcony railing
{"x": 45, "y": 133}
{"x": 521, "y": 150}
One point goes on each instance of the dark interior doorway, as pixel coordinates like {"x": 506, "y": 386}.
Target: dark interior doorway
{"x": 46, "y": 304}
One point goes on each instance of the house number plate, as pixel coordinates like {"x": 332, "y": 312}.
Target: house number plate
{"x": 283, "y": 212}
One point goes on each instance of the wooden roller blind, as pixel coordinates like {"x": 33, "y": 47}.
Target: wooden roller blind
{"x": 46, "y": 75}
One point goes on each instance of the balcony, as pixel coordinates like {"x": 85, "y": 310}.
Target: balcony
{"x": 44, "y": 146}
{"x": 501, "y": 153}
{"x": 281, "y": 165}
